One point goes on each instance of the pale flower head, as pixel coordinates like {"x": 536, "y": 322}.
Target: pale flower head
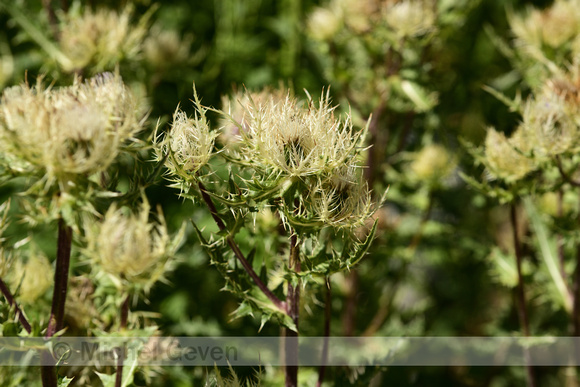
{"x": 129, "y": 248}
{"x": 237, "y": 108}
{"x": 70, "y": 130}
{"x": 295, "y": 139}
{"x": 343, "y": 200}
{"x": 554, "y": 26}
{"x": 189, "y": 143}
{"x": 549, "y": 125}
{"x": 409, "y": 18}
{"x": 505, "y": 158}
{"x": 324, "y": 23}
{"x": 100, "y": 38}
{"x": 35, "y": 277}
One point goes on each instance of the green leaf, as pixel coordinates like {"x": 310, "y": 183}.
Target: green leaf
{"x": 548, "y": 253}
{"x": 64, "y": 382}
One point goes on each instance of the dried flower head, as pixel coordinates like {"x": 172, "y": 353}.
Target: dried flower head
{"x": 130, "y": 249}
{"x": 189, "y": 143}
{"x": 293, "y": 139}
{"x": 70, "y": 130}
{"x": 100, "y": 38}
{"x": 505, "y": 158}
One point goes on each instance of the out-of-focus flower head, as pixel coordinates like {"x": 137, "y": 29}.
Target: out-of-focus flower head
{"x": 165, "y": 48}
{"x": 432, "y": 163}
{"x": 100, "y": 39}
{"x": 555, "y": 26}
{"x": 410, "y": 18}
{"x": 131, "y": 250}
{"x": 506, "y": 158}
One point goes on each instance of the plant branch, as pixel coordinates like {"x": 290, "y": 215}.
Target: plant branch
{"x": 10, "y": 299}
{"x": 238, "y": 253}
{"x": 327, "y": 315}
{"x": 56, "y": 320}
{"x": 521, "y": 298}
{"x": 565, "y": 175}
{"x": 293, "y": 310}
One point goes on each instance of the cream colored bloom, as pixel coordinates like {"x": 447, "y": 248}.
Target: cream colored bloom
{"x": 409, "y": 18}
{"x": 100, "y": 38}
{"x": 341, "y": 201}
{"x": 189, "y": 143}
{"x": 293, "y": 139}
{"x": 130, "y": 249}
{"x": 549, "y": 125}
{"x": 324, "y": 23}
{"x": 505, "y": 158}
{"x": 70, "y": 130}
{"x": 555, "y": 26}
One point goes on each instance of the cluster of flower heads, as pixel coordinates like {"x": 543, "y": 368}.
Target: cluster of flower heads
{"x": 70, "y": 130}
{"x": 553, "y": 27}
{"x": 284, "y": 141}
{"x": 131, "y": 250}
{"x": 550, "y": 127}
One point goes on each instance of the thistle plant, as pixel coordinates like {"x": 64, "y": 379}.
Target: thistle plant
{"x": 294, "y": 158}
{"x": 64, "y": 140}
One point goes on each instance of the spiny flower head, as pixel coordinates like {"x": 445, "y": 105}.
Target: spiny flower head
{"x": 129, "y": 248}
{"x": 292, "y": 139}
{"x": 237, "y": 109}
{"x": 70, "y": 130}
{"x": 100, "y": 38}
{"x": 341, "y": 201}
{"x": 189, "y": 143}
